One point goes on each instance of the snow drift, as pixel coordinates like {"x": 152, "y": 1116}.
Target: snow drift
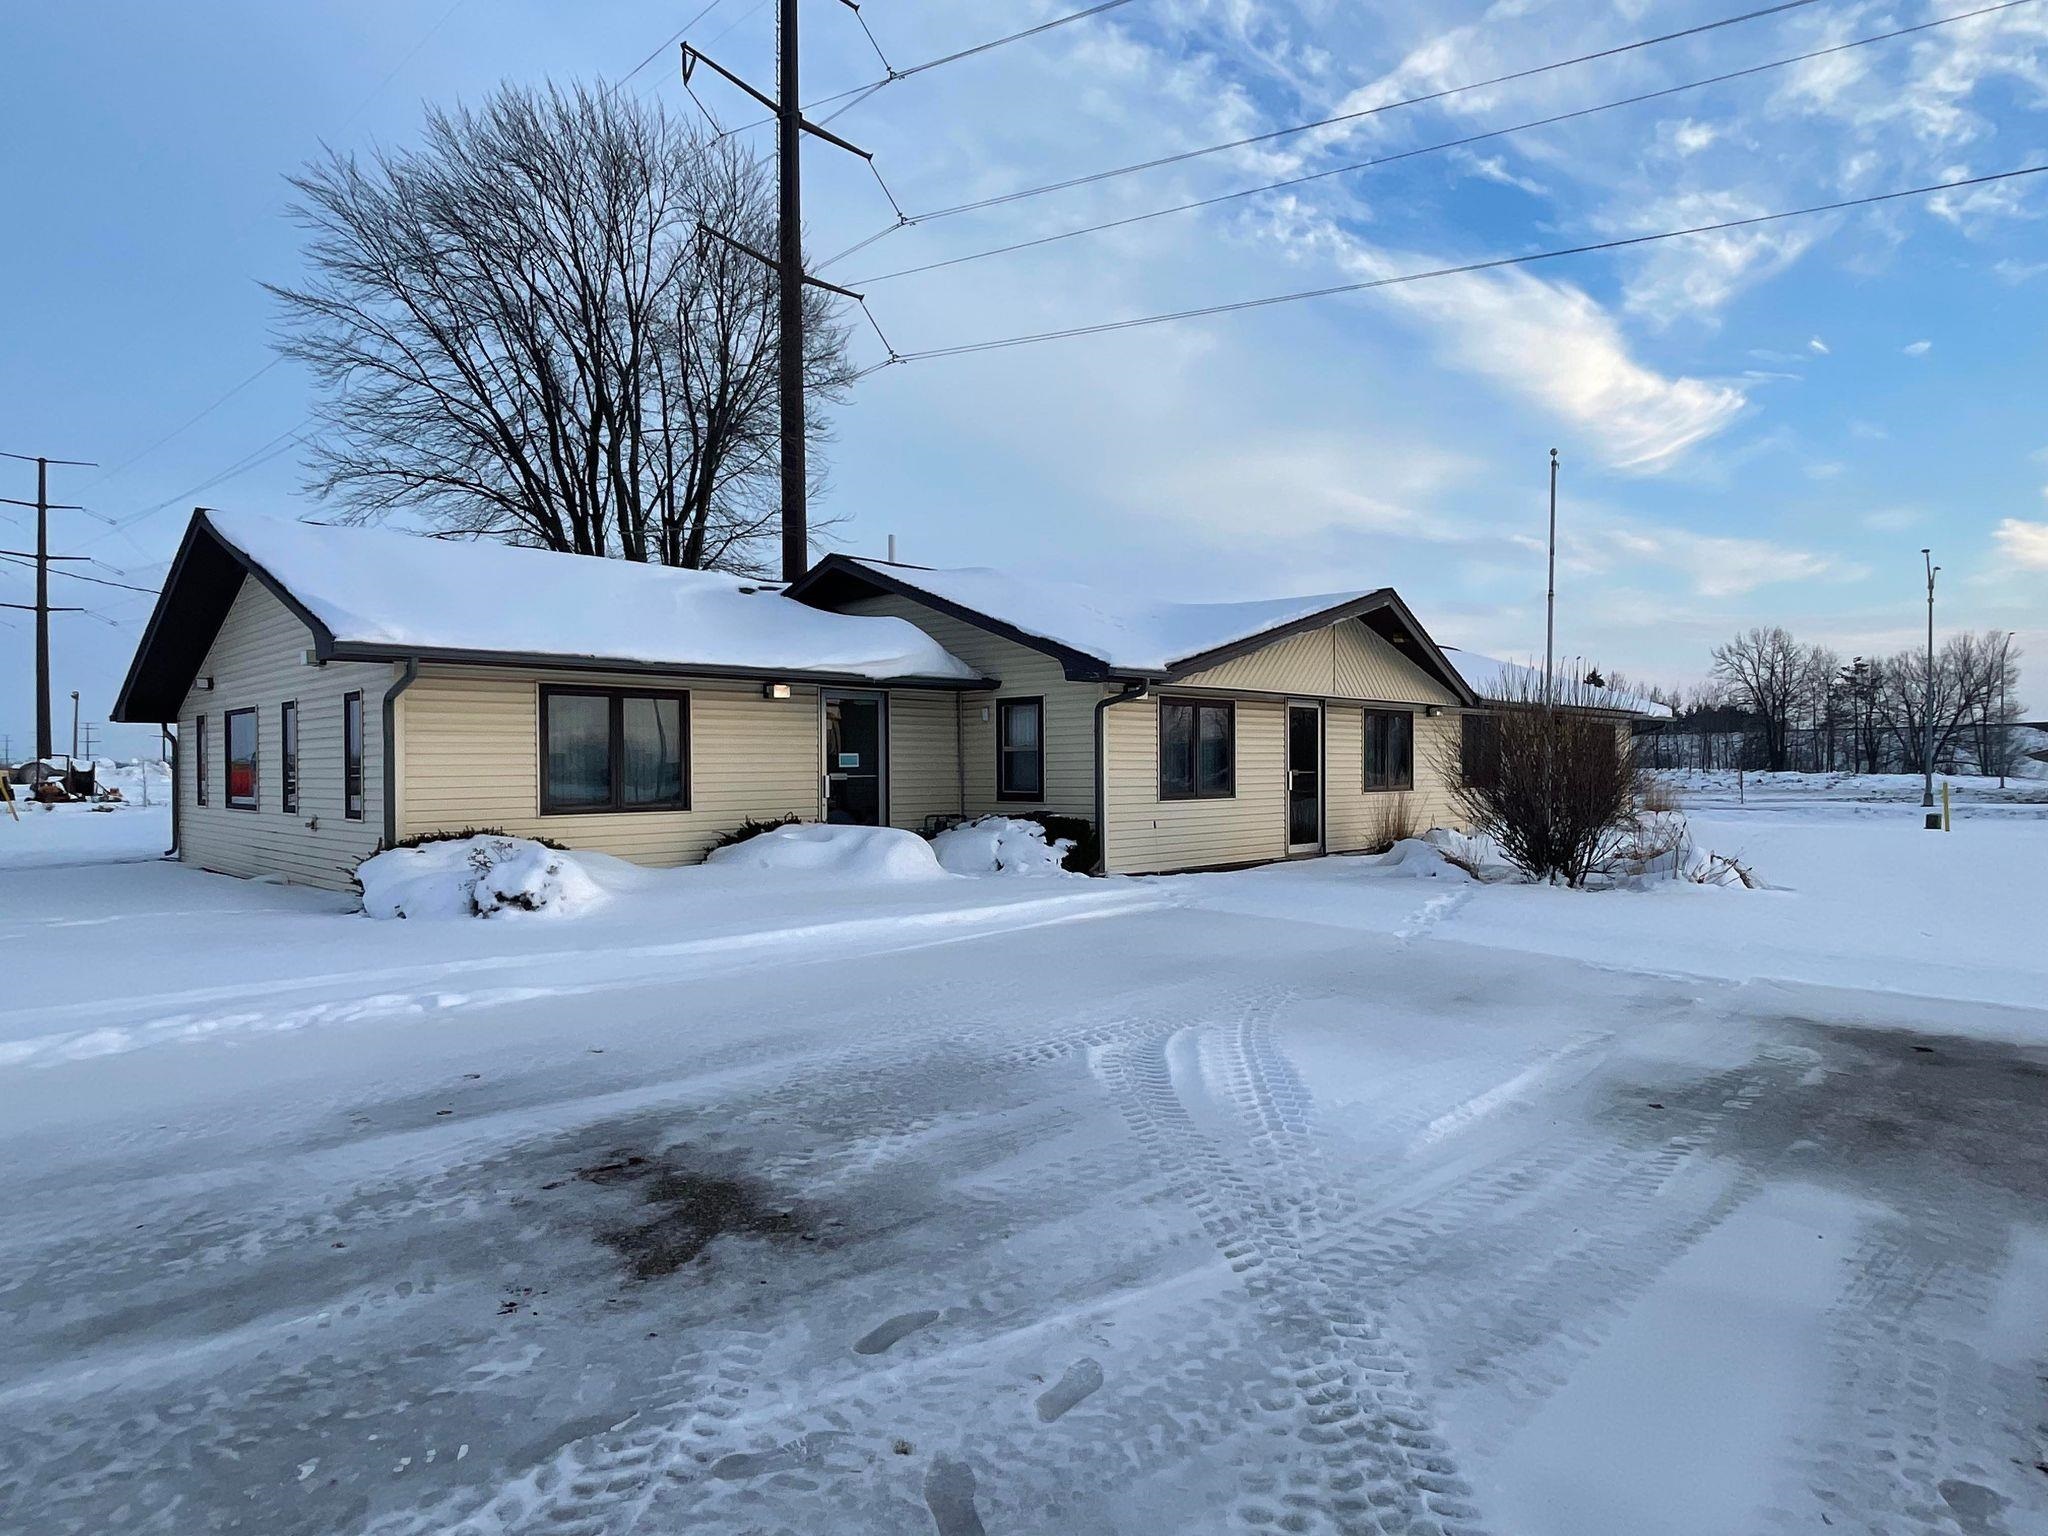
{"x": 856, "y": 855}
{"x": 1000, "y": 845}
{"x": 483, "y": 876}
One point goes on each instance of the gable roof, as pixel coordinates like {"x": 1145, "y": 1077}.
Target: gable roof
{"x": 369, "y": 594}
{"x": 1100, "y": 632}
{"x": 1492, "y": 678}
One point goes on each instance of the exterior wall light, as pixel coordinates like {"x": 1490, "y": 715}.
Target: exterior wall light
{"x": 1433, "y": 710}
{"x": 775, "y": 690}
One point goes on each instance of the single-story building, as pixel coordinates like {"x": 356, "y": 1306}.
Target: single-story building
{"x": 339, "y": 689}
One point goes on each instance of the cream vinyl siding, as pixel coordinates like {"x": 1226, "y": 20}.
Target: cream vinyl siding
{"x": 1147, "y": 835}
{"x": 255, "y": 664}
{"x": 472, "y": 759}
{"x": 924, "y": 762}
{"x": 1024, "y": 673}
{"x": 1347, "y": 660}
{"x": 1352, "y": 813}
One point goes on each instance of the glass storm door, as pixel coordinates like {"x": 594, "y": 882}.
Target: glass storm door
{"x": 1304, "y": 778}
{"x": 853, "y": 759}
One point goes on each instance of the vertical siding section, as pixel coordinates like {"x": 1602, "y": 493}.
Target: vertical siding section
{"x": 473, "y": 759}
{"x": 924, "y": 759}
{"x": 1148, "y": 835}
{"x": 1347, "y": 660}
{"x": 255, "y": 664}
{"x": 1355, "y": 814}
{"x": 1024, "y": 673}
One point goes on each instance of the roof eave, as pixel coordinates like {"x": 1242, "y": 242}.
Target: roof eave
{"x": 344, "y": 650}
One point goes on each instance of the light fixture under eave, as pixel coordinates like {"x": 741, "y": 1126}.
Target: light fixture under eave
{"x": 1433, "y": 710}
{"x": 775, "y": 690}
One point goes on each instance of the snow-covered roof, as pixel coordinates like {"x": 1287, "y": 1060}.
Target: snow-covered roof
{"x": 1492, "y": 678}
{"x": 1125, "y": 629}
{"x": 397, "y": 592}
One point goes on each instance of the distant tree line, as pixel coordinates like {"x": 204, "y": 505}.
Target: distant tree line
{"x": 1775, "y": 704}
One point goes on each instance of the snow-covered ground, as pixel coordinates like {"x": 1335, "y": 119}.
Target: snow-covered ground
{"x": 1328, "y": 1197}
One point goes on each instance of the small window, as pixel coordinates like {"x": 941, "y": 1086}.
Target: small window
{"x": 288, "y": 746}
{"x": 613, "y": 750}
{"x": 1389, "y": 749}
{"x": 1020, "y": 749}
{"x": 199, "y": 773}
{"x": 1197, "y": 749}
{"x": 352, "y": 756}
{"x": 241, "y": 759}
{"x": 1479, "y": 750}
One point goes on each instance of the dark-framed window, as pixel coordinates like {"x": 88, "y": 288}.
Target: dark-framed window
{"x": 1479, "y": 750}
{"x": 1389, "y": 749}
{"x": 240, "y": 755}
{"x": 613, "y": 749}
{"x": 199, "y": 761}
{"x": 1020, "y": 749}
{"x": 352, "y": 756}
{"x": 1197, "y": 749}
{"x": 288, "y": 752}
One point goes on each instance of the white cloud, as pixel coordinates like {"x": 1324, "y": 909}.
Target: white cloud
{"x": 1690, "y": 137}
{"x": 1717, "y": 566}
{"x": 1698, "y": 275}
{"x": 2023, "y": 543}
{"x": 1917, "y": 348}
{"x": 1818, "y": 346}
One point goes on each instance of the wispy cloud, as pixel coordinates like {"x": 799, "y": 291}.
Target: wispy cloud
{"x": 2023, "y": 543}
{"x": 1917, "y": 348}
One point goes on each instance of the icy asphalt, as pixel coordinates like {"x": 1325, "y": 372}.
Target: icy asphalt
{"x": 1163, "y": 1219}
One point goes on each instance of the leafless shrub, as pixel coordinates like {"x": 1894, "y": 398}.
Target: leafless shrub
{"x": 1392, "y": 820}
{"x": 1558, "y": 787}
{"x": 1657, "y": 796}
{"x": 1721, "y": 869}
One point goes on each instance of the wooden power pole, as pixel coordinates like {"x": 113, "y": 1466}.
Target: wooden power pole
{"x": 788, "y": 266}
{"x": 41, "y": 607}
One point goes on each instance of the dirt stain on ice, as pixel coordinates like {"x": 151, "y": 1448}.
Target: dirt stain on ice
{"x": 682, "y": 1209}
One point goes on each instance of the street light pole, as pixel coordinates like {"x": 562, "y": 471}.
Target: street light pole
{"x": 1550, "y": 593}
{"x": 74, "y": 727}
{"x": 1927, "y": 704}
{"x": 2004, "y": 715}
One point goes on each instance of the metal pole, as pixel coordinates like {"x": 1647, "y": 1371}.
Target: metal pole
{"x": 74, "y": 726}
{"x": 1550, "y": 592}
{"x": 2004, "y": 716}
{"x": 796, "y": 540}
{"x": 44, "y": 746}
{"x": 1927, "y": 705}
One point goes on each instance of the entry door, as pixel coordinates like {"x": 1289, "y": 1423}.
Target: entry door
{"x": 1304, "y": 778}
{"x": 855, "y": 729}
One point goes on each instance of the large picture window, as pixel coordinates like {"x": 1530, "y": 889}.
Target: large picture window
{"x": 1020, "y": 749}
{"x": 288, "y": 752}
{"x": 609, "y": 749}
{"x": 241, "y": 759}
{"x": 199, "y": 769}
{"x": 1389, "y": 749}
{"x": 352, "y": 756}
{"x": 1197, "y": 749}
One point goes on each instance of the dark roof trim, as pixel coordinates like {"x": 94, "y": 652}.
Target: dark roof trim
{"x": 1384, "y": 602}
{"x": 1080, "y": 667}
{"x": 542, "y": 661}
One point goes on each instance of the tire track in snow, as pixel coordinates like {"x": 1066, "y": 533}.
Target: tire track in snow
{"x": 1375, "y": 1460}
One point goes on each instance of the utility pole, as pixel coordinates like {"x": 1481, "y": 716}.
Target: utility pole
{"x": 788, "y": 265}
{"x": 1927, "y": 704}
{"x": 41, "y": 608}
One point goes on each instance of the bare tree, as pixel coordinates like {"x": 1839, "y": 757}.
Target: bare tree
{"x": 1765, "y": 672}
{"x": 523, "y": 335}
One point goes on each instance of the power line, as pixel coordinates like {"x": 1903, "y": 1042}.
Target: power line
{"x": 97, "y": 581}
{"x": 1346, "y": 117}
{"x": 410, "y": 53}
{"x": 189, "y": 422}
{"x": 662, "y": 47}
{"x": 1462, "y": 268}
{"x": 1425, "y": 149}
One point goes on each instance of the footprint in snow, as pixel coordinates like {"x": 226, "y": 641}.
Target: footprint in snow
{"x": 892, "y": 1332}
{"x": 949, "y": 1495}
{"x": 1082, "y": 1378}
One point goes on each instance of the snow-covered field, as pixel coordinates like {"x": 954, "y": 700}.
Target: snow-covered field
{"x": 1327, "y": 1197}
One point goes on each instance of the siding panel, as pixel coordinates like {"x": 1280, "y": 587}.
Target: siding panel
{"x": 255, "y": 663}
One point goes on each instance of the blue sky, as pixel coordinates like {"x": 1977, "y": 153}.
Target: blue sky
{"x": 1759, "y": 426}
